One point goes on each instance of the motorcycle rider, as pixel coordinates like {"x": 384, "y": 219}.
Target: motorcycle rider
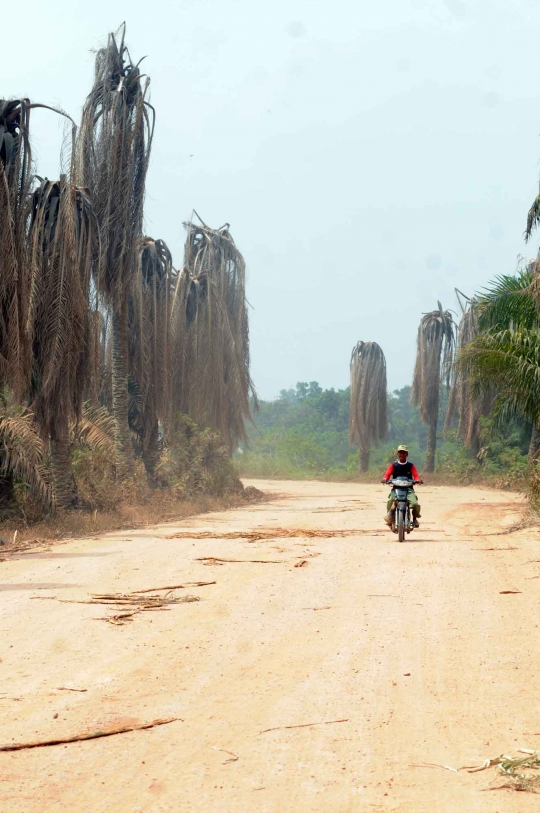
{"x": 402, "y": 468}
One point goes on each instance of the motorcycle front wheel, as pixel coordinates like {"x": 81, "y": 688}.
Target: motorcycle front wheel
{"x": 401, "y": 525}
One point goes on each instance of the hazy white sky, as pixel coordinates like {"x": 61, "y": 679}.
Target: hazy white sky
{"x": 370, "y": 157}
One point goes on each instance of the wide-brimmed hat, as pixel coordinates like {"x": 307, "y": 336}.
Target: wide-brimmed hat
{"x": 402, "y": 449}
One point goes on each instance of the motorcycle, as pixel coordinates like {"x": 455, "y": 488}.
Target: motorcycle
{"x": 402, "y": 510}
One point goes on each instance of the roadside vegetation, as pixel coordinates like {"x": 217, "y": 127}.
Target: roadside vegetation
{"x": 305, "y": 434}
{"x": 124, "y": 380}
{"x": 472, "y": 413}
{"x": 123, "y": 377}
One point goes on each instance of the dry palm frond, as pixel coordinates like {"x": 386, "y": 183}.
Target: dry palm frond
{"x": 16, "y": 177}
{"x": 63, "y": 240}
{"x": 95, "y": 428}
{"x": 434, "y": 356}
{"x": 149, "y": 341}
{"x": 132, "y": 603}
{"x": 269, "y": 533}
{"x": 533, "y": 217}
{"x": 15, "y": 182}
{"x": 368, "y": 422}
{"x": 211, "y": 380}
{"x": 113, "y": 151}
{"x": 512, "y": 769}
{"x": 87, "y": 735}
{"x": 21, "y": 448}
{"x": 468, "y": 408}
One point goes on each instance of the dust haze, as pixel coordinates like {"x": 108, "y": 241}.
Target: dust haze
{"x": 369, "y": 158}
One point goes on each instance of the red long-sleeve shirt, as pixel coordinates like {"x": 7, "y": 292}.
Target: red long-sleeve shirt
{"x": 390, "y": 472}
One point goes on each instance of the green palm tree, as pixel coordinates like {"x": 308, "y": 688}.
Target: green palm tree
{"x": 113, "y": 151}
{"x": 508, "y": 360}
{"x": 368, "y": 421}
{"x": 508, "y": 304}
{"x": 435, "y": 349}
{"x": 508, "y": 300}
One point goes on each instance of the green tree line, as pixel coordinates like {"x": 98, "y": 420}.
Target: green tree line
{"x": 305, "y": 433}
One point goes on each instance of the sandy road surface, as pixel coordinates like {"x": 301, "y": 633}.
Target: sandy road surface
{"x": 414, "y": 645}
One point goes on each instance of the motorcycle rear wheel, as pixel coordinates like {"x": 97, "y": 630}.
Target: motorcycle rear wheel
{"x": 401, "y": 525}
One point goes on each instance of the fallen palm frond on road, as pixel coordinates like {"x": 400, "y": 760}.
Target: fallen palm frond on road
{"x": 269, "y": 533}
{"x": 303, "y": 725}
{"x": 175, "y": 587}
{"x": 133, "y": 603}
{"x": 213, "y": 560}
{"x": 94, "y": 735}
{"x": 512, "y": 769}
{"x": 139, "y": 604}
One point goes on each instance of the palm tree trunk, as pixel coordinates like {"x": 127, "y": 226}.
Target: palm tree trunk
{"x": 124, "y": 448}
{"x": 429, "y": 464}
{"x": 364, "y": 460}
{"x": 151, "y": 449}
{"x": 534, "y": 446}
{"x": 7, "y": 491}
{"x": 65, "y": 495}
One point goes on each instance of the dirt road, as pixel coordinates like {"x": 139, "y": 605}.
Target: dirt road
{"x": 419, "y": 648}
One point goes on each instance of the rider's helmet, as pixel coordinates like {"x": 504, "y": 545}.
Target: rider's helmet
{"x": 402, "y": 449}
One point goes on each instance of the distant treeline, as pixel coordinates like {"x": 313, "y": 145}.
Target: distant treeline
{"x": 304, "y": 433}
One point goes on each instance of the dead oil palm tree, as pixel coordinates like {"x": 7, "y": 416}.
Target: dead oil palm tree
{"x": 149, "y": 342}
{"x": 467, "y": 407}
{"x": 211, "y": 379}
{"x": 16, "y": 180}
{"x": 368, "y": 421}
{"x": 63, "y": 241}
{"x": 435, "y": 348}
{"x": 15, "y": 185}
{"x": 113, "y": 151}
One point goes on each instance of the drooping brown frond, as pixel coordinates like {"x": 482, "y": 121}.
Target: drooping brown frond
{"x": 533, "y": 217}
{"x": 435, "y": 348}
{"x": 63, "y": 235}
{"x": 149, "y": 325}
{"x": 113, "y": 151}
{"x": 15, "y": 182}
{"x": 211, "y": 379}
{"x": 368, "y": 423}
{"x": 434, "y": 356}
{"x": 21, "y": 447}
{"x": 95, "y": 428}
{"x": 462, "y": 403}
